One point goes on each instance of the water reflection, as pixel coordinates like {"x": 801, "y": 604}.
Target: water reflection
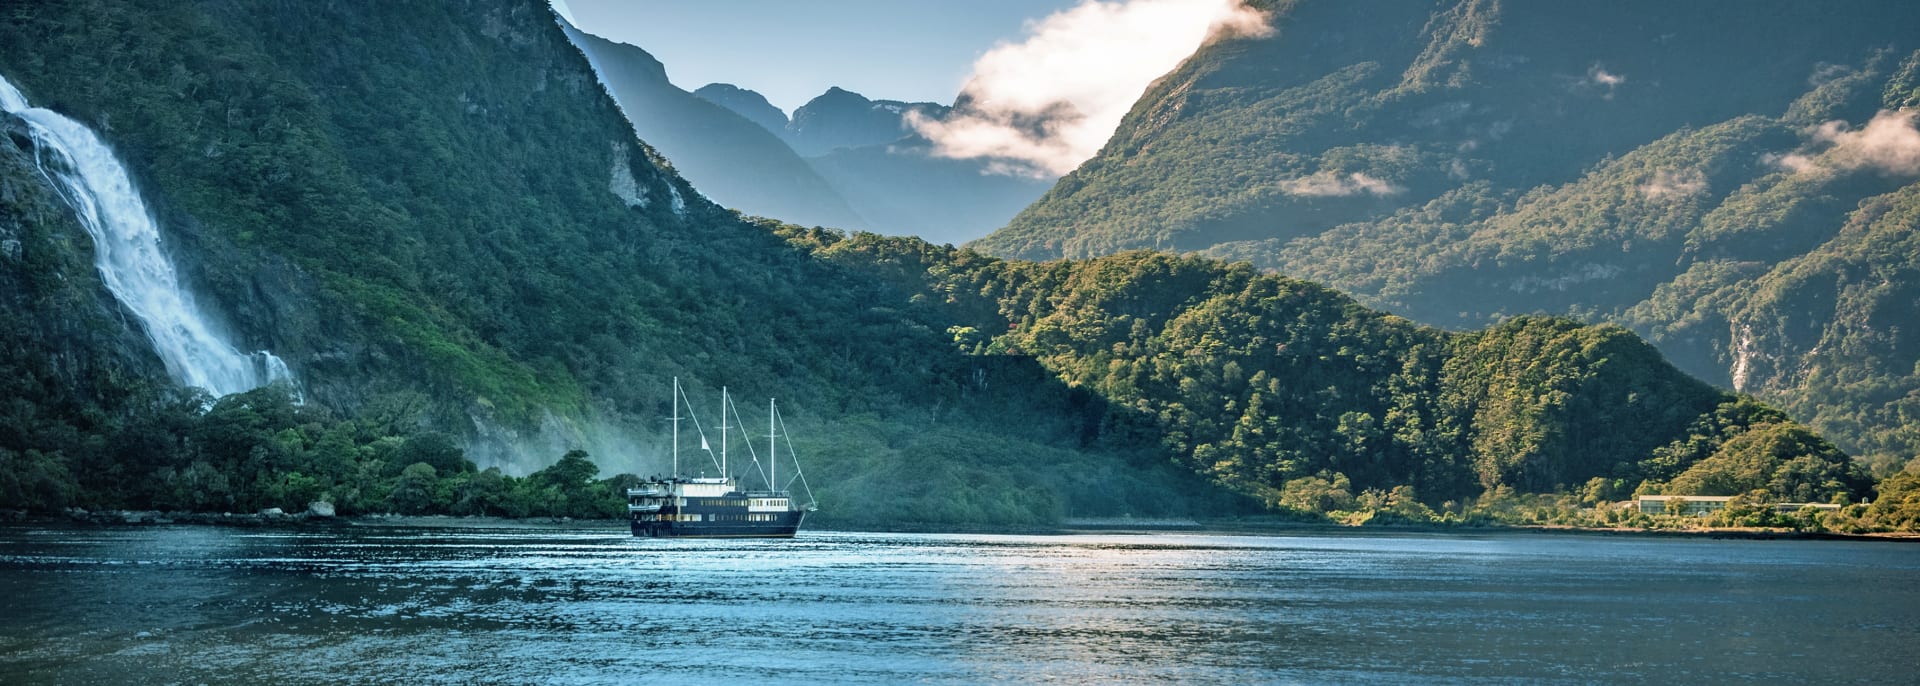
{"x": 202, "y": 604}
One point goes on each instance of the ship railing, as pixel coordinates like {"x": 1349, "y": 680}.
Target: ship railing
{"x": 643, "y": 508}
{"x": 646, "y": 492}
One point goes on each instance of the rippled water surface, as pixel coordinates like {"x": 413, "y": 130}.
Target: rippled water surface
{"x": 210, "y": 605}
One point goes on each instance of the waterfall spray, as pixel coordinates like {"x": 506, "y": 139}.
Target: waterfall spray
{"x": 127, "y": 251}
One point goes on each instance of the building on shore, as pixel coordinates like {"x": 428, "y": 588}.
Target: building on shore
{"x": 1701, "y": 505}
{"x": 1696, "y": 505}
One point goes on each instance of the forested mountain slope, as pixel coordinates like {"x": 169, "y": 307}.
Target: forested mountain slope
{"x": 1680, "y": 168}
{"x": 1298, "y": 395}
{"x": 434, "y": 213}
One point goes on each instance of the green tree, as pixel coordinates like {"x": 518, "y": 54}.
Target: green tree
{"x": 414, "y": 492}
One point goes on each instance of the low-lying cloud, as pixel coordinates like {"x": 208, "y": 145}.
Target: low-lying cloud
{"x": 1668, "y": 184}
{"x": 1327, "y": 184}
{"x": 1889, "y": 144}
{"x": 1793, "y": 162}
{"x": 1042, "y": 106}
{"x": 1601, "y": 77}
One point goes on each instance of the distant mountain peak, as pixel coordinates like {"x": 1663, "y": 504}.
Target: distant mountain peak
{"x": 746, "y": 103}
{"x": 857, "y": 152}
{"x": 734, "y": 159}
{"x": 635, "y": 61}
{"x": 840, "y": 118}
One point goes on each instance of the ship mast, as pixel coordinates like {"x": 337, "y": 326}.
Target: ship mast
{"x": 723, "y": 432}
{"x": 773, "y": 459}
{"x": 676, "y": 427}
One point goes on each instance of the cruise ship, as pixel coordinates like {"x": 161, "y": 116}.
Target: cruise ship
{"x": 718, "y": 506}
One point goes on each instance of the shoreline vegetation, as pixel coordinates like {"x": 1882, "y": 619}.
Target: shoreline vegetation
{"x": 1235, "y": 526}
{"x": 272, "y": 462}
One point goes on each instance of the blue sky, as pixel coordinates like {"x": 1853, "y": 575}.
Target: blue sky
{"x": 792, "y": 51}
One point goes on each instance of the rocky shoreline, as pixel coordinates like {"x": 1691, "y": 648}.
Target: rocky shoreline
{"x": 316, "y": 514}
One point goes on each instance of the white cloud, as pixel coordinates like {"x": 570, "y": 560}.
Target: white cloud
{"x": 1598, "y": 81}
{"x": 1049, "y": 102}
{"x": 1668, "y": 184}
{"x": 1793, "y": 162}
{"x": 1889, "y": 144}
{"x": 1603, "y": 77}
{"x": 1328, "y": 184}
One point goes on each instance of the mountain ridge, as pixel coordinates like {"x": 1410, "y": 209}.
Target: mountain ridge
{"x": 745, "y": 103}
{"x": 894, "y": 177}
{"x": 729, "y": 155}
{"x": 1469, "y": 161}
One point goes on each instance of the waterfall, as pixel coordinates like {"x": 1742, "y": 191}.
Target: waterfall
{"x": 127, "y": 251}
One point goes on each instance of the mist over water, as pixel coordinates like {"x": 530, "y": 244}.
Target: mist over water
{"x": 127, "y": 251}
{"x": 367, "y": 604}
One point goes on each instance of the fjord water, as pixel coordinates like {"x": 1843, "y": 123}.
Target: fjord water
{"x": 360, "y": 604}
{"x": 127, "y": 251}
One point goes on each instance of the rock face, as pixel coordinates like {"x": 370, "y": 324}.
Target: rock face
{"x": 320, "y": 508}
{"x": 63, "y": 332}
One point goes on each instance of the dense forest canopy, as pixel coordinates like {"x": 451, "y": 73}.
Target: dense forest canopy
{"x": 1279, "y": 388}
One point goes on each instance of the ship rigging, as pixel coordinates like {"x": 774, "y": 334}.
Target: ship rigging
{"x": 703, "y": 506}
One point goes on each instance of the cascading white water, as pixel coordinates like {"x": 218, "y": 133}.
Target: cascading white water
{"x": 126, "y": 245}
